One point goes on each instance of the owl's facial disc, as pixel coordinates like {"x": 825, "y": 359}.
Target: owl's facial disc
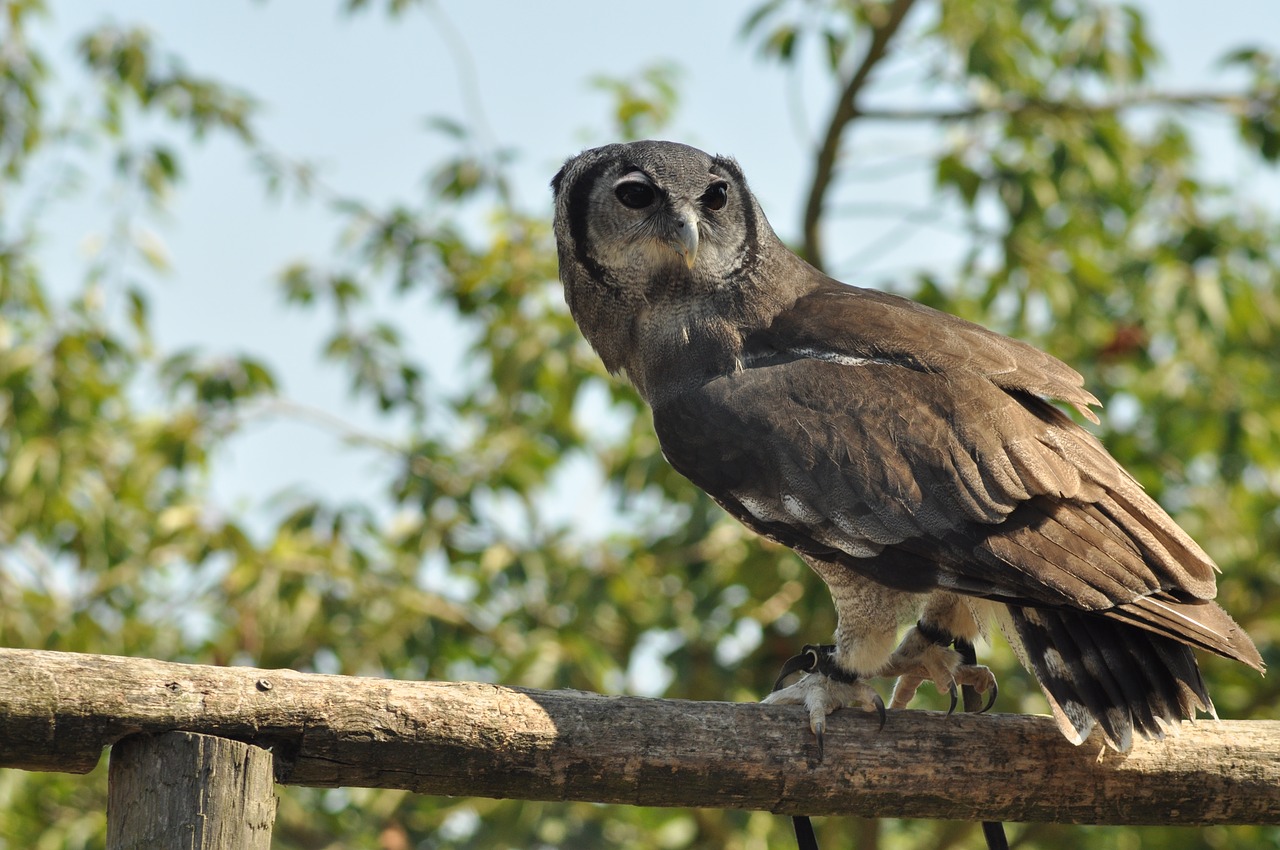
{"x": 668, "y": 223}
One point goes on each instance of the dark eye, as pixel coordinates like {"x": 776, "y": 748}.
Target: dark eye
{"x": 634, "y": 194}
{"x": 716, "y": 197}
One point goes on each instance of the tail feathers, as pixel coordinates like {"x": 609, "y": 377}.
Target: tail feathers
{"x": 1096, "y": 670}
{"x": 1201, "y": 623}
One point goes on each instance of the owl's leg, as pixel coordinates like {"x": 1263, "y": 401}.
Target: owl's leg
{"x": 925, "y": 654}
{"x": 948, "y": 620}
{"x": 835, "y": 675}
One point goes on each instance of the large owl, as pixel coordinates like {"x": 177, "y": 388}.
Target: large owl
{"x": 914, "y": 460}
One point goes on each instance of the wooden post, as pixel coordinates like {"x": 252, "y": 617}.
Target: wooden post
{"x": 183, "y": 791}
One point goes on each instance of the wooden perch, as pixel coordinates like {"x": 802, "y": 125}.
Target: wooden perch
{"x": 58, "y": 711}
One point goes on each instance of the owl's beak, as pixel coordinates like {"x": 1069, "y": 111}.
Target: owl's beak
{"x": 685, "y": 238}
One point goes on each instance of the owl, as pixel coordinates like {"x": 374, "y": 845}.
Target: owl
{"x": 921, "y": 465}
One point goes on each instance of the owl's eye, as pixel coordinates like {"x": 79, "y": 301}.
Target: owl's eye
{"x": 716, "y": 197}
{"x": 635, "y": 194}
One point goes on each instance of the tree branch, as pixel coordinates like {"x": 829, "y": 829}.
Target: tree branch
{"x": 1235, "y": 104}
{"x": 845, "y": 112}
{"x": 58, "y": 710}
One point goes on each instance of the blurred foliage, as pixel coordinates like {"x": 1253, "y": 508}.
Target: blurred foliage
{"x": 1088, "y": 231}
{"x": 645, "y": 105}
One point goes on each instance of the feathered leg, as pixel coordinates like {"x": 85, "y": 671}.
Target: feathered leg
{"x": 836, "y": 675}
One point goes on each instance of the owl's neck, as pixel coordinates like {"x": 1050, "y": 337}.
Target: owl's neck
{"x": 686, "y": 342}
{"x": 669, "y": 333}
{"x": 678, "y": 346}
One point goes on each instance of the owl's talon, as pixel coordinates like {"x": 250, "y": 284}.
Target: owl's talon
{"x": 822, "y": 694}
{"x": 924, "y": 655}
{"x": 819, "y": 728}
{"x": 793, "y": 665}
{"x": 813, "y": 657}
{"x": 991, "y": 700}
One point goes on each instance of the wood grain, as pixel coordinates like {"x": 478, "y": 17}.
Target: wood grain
{"x": 196, "y": 792}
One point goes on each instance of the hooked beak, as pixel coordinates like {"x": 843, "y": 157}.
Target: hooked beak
{"x": 685, "y": 238}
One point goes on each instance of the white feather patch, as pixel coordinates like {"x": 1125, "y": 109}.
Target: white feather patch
{"x": 837, "y": 357}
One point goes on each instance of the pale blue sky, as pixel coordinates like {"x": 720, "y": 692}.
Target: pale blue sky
{"x": 352, "y": 94}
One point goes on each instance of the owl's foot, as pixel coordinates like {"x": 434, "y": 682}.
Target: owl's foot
{"x": 925, "y": 655}
{"x": 822, "y": 689}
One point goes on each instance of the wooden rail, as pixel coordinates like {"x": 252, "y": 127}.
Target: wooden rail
{"x": 58, "y": 711}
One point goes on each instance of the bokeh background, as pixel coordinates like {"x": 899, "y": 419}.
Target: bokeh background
{"x": 286, "y": 378}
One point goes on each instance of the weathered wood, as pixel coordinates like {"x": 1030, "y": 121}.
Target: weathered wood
{"x": 58, "y": 710}
{"x": 182, "y": 791}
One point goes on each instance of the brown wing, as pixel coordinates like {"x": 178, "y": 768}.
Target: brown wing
{"x": 921, "y": 474}
{"x": 877, "y": 459}
{"x": 836, "y": 319}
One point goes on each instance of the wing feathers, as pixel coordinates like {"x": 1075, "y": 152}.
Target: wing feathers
{"x": 1203, "y": 624}
{"x": 867, "y": 324}
{"x": 1147, "y": 522}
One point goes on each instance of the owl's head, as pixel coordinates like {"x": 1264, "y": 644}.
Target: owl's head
{"x": 651, "y": 226}
{"x": 633, "y": 210}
